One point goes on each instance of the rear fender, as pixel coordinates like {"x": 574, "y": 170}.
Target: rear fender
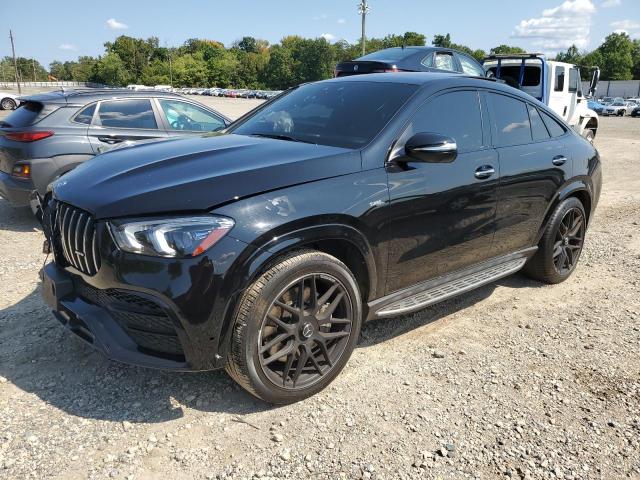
{"x": 45, "y": 170}
{"x": 577, "y": 187}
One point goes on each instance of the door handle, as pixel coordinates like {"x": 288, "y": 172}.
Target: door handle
{"x": 483, "y": 172}
{"x": 559, "y": 160}
{"x": 110, "y": 140}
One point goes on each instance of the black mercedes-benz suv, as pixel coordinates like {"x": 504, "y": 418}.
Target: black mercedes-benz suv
{"x": 263, "y": 249}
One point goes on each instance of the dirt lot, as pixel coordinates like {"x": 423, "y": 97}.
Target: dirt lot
{"x": 516, "y": 379}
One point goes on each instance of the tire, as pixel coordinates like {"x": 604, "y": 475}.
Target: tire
{"x": 8, "y": 104}
{"x": 558, "y": 240}
{"x": 589, "y": 135}
{"x": 270, "y": 371}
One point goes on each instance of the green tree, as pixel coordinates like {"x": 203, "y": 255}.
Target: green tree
{"x": 617, "y": 57}
{"x": 506, "y": 49}
{"x": 572, "y": 55}
{"x": 278, "y": 73}
{"x": 111, "y": 70}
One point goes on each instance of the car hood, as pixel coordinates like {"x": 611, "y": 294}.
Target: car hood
{"x": 196, "y": 174}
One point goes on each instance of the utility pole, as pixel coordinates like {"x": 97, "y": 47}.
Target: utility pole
{"x": 33, "y": 64}
{"x": 170, "y": 71}
{"x": 363, "y": 10}
{"x": 15, "y": 63}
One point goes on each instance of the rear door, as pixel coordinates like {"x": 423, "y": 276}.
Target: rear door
{"x": 534, "y": 164}
{"x": 124, "y": 121}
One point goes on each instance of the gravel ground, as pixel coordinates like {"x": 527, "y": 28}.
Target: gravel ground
{"x": 516, "y": 379}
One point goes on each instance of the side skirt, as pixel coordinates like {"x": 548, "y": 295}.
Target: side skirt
{"x": 446, "y": 286}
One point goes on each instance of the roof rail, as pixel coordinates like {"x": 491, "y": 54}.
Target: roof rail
{"x": 513, "y": 55}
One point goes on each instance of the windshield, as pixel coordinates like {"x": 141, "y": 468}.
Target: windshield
{"x": 26, "y": 114}
{"x": 339, "y": 114}
{"x": 618, "y": 104}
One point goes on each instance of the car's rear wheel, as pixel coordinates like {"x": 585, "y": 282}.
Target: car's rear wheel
{"x": 8, "y": 104}
{"x": 561, "y": 244}
{"x": 295, "y": 328}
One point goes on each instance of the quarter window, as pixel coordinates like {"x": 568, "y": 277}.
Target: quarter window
{"x": 134, "y": 113}
{"x": 470, "y": 67}
{"x": 511, "y": 123}
{"x": 185, "y": 116}
{"x": 85, "y": 115}
{"x": 538, "y": 130}
{"x": 555, "y": 129}
{"x": 456, "y": 115}
{"x": 559, "y": 85}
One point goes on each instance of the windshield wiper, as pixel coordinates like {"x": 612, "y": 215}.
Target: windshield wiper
{"x": 278, "y": 137}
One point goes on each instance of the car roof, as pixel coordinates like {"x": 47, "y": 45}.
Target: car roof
{"x": 88, "y": 95}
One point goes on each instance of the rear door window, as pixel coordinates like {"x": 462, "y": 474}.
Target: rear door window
{"x": 443, "y": 61}
{"x": 511, "y": 125}
{"x": 559, "y": 83}
{"x": 456, "y": 115}
{"x": 133, "y": 113}
{"x": 470, "y": 67}
{"x": 85, "y": 115}
{"x": 538, "y": 129}
{"x": 555, "y": 129}
{"x": 574, "y": 80}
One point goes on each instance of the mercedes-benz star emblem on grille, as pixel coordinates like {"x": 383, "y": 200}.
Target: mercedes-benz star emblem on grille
{"x": 355, "y": 68}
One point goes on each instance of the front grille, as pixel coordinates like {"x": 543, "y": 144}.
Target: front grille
{"x": 146, "y": 322}
{"x": 78, "y": 238}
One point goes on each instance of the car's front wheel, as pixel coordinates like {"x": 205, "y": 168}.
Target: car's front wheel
{"x": 561, "y": 244}
{"x": 8, "y": 104}
{"x": 295, "y": 328}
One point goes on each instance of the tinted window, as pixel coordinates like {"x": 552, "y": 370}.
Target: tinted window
{"x": 531, "y": 74}
{"x": 510, "y": 121}
{"x": 341, "y": 114}
{"x": 470, "y": 67}
{"x": 127, "y": 114}
{"x": 538, "y": 130}
{"x": 559, "y": 85}
{"x": 456, "y": 115}
{"x": 555, "y": 129}
{"x": 391, "y": 54}
{"x": 26, "y": 114}
{"x": 186, "y": 116}
{"x": 85, "y": 115}
{"x": 443, "y": 61}
{"x": 574, "y": 80}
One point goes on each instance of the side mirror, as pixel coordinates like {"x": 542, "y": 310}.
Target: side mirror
{"x": 431, "y": 148}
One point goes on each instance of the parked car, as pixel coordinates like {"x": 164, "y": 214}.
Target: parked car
{"x": 52, "y": 133}
{"x": 619, "y": 108}
{"x": 264, "y": 249}
{"x": 8, "y": 101}
{"x": 636, "y": 111}
{"x": 411, "y": 59}
{"x": 595, "y": 106}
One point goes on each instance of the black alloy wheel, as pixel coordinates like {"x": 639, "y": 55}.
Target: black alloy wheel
{"x": 295, "y": 327}
{"x": 569, "y": 241}
{"x": 305, "y": 331}
{"x": 561, "y": 244}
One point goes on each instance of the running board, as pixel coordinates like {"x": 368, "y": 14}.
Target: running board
{"x": 449, "y": 288}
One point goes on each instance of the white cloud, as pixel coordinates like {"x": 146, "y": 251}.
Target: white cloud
{"x": 113, "y": 24}
{"x": 68, "y": 46}
{"x": 328, "y": 37}
{"x": 342, "y": 20}
{"x": 560, "y": 27}
{"x": 323, "y": 16}
{"x": 611, "y": 3}
{"x": 626, "y": 25}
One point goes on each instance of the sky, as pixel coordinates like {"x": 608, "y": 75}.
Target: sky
{"x": 65, "y": 29}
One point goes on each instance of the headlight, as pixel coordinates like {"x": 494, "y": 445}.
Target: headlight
{"x": 170, "y": 237}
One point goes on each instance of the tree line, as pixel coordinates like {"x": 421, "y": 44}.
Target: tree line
{"x": 254, "y": 63}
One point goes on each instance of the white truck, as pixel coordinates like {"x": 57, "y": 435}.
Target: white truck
{"x": 556, "y": 84}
